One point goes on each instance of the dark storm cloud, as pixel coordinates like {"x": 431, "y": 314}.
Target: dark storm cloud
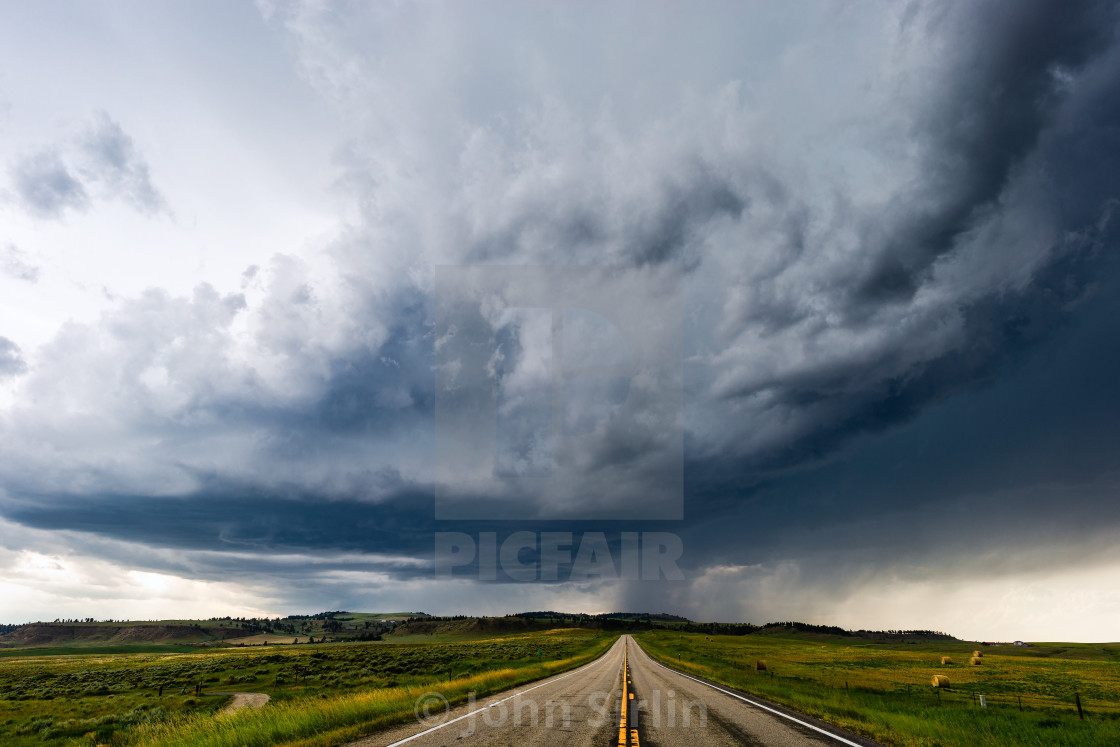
{"x": 1021, "y": 464}
{"x": 998, "y": 94}
{"x": 224, "y": 516}
{"x": 1031, "y": 132}
{"x": 680, "y": 213}
{"x": 1000, "y": 331}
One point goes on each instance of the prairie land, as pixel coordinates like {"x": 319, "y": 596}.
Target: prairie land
{"x": 883, "y": 690}
{"x": 320, "y": 693}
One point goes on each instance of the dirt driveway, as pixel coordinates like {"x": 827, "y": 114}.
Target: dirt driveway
{"x": 242, "y": 700}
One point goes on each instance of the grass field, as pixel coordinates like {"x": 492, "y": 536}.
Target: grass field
{"x": 266, "y": 639}
{"x": 91, "y": 649}
{"x": 884, "y": 691}
{"x": 322, "y": 694}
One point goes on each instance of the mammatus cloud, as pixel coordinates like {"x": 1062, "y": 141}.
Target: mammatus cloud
{"x": 101, "y": 162}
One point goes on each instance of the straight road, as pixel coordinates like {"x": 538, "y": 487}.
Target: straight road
{"x": 584, "y": 707}
{"x": 576, "y": 708}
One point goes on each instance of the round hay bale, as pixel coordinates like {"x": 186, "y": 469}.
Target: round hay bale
{"x": 940, "y": 680}
{"x": 975, "y": 660}
{"x": 946, "y": 660}
{"x": 760, "y": 666}
{"x": 977, "y": 654}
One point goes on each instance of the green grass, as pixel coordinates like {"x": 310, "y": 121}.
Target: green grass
{"x": 129, "y": 648}
{"x": 305, "y": 722}
{"x": 883, "y": 690}
{"x": 340, "y": 690}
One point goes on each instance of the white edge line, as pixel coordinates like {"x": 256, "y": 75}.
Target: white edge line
{"x": 837, "y": 737}
{"x": 496, "y": 702}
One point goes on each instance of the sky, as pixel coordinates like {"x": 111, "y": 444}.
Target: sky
{"x": 826, "y": 291}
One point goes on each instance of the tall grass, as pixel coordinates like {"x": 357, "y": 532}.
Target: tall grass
{"x": 324, "y": 721}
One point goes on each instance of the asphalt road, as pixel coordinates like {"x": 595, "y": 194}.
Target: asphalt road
{"x": 582, "y": 707}
{"x": 575, "y": 708}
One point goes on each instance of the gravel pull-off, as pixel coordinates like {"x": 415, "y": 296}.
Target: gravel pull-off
{"x": 243, "y": 700}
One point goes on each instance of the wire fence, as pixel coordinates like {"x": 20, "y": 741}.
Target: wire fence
{"x": 1074, "y": 703}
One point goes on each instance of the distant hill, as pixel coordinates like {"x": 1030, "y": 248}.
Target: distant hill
{"x": 339, "y": 625}
{"x": 87, "y": 634}
{"x": 656, "y": 616}
{"x": 467, "y": 626}
{"x": 529, "y": 621}
{"x": 224, "y": 631}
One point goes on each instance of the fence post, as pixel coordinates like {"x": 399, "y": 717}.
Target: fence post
{"x": 1077, "y": 699}
{"x": 1020, "y": 697}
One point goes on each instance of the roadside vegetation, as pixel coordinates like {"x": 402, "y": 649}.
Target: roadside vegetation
{"x": 128, "y": 684}
{"x": 883, "y": 690}
{"x": 322, "y": 694}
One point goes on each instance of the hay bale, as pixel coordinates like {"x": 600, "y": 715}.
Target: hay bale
{"x": 760, "y": 666}
{"x": 975, "y": 660}
{"x": 977, "y": 654}
{"x": 940, "y": 680}
{"x": 946, "y": 660}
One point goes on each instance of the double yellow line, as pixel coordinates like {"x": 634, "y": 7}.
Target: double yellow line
{"x": 627, "y": 696}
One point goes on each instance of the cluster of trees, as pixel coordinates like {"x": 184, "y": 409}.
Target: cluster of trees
{"x": 318, "y": 615}
{"x": 879, "y": 635}
{"x": 929, "y": 635}
{"x": 258, "y": 620}
{"x": 801, "y": 627}
{"x": 271, "y": 626}
{"x": 84, "y": 620}
{"x": 716, "y": 628}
